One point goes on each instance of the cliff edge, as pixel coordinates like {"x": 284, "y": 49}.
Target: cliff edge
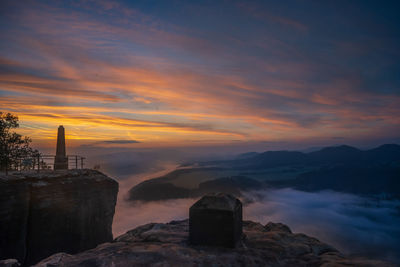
{"x": 158, "y": 244}
{"x": 54, "y": 211}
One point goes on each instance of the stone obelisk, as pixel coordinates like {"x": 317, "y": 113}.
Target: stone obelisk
{"x": 61, "y": 160}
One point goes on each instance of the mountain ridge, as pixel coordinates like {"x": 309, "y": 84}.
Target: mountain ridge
{"x": 342, "y": 168}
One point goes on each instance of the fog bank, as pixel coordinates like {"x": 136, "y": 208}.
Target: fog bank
{"x": 352, "y": 224}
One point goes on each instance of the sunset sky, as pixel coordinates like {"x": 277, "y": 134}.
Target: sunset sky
{"x": 202, "y": 72}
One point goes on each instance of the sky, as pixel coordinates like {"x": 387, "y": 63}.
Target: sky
{"x": 159, "y": 73}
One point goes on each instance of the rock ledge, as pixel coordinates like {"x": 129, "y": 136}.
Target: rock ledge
{"x": 53, "y": 211}
{"x": 158, "y": 244}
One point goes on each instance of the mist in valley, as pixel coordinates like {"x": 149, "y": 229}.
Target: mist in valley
{"x": 350, "y": 223}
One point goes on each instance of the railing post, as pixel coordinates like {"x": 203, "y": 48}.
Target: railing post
{"x": 6, "y": 159}
{"x": 38, "y": 163}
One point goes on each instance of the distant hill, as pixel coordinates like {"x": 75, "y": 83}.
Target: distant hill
{"x": 341, "y": 168}
{"x": 329, "y": 155}
{"x": 338, "y": 154}
{"x": 247, "y": 155}
{"x": 154, "y": 190}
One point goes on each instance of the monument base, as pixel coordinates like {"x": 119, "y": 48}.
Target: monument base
{"x": 61, "y": 163}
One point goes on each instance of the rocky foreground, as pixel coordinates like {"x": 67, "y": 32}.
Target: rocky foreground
{"x": 158, "y": 244}
{"x": 52, "y": 211}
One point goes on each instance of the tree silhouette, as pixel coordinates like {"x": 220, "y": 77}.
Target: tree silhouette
{"x": 14, "y": 148}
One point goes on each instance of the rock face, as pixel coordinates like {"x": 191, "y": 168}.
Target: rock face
{"x": 216, "y": 220}
{"x": 158, "y": 244}
{"x": 14, "y": 211}
{"x": 54, "y": 211}
{"x": 9, "y": 263}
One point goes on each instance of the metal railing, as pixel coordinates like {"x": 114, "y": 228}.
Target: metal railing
{"x": 44, "y": 162}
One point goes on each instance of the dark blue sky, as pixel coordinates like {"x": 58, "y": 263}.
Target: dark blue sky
{"x": 203, "y": 71}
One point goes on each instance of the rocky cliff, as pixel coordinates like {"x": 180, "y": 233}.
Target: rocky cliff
{"x": 157, "y": 244}
{"x": 54, "y": 211}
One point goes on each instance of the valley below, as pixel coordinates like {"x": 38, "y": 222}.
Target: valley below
{"x": 348, "y": 199}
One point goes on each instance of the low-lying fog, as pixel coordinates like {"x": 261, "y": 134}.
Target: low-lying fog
{"x": 352, "y": 224}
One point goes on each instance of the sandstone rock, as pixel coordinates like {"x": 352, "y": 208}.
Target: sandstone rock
{"x": 9, "y": 263}
{"x": 159, "y": 244}
{"x": 216, "y": 220}
{"x": 277, "y": 227}
{"x": 14, "y": 211}
{"x": 54, "y": 211}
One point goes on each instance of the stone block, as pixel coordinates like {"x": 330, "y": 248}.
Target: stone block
{"x": 216, "y": 220}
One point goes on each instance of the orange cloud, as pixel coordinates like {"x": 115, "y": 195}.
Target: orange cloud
{"x": 107, "y": 79}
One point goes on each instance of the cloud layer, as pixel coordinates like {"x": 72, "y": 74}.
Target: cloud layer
{"x": 353, "y": 225}
{"x": 163, "y": 73}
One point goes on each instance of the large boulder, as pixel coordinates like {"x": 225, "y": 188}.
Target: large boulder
{"x": 54, "y": 211}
